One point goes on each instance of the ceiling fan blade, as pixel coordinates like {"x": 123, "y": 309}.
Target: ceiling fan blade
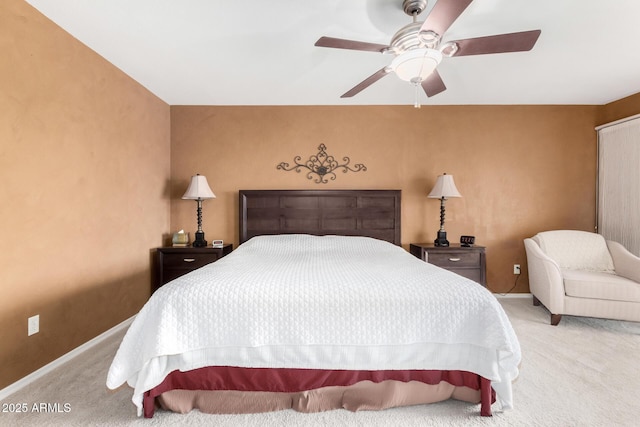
{"x": 350, "y": 44}
{"x": 366, "y": 83}
{"x": 433, "y": 84}
{"x": 511, "y": 42}
{"x": 443, "y": 14}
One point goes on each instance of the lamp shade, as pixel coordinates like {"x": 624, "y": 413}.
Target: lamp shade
{"x": 198, "y": 189}
{"x": 445, "y": 187}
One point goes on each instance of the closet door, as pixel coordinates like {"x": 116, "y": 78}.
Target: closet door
{"x": 619, "y": 183}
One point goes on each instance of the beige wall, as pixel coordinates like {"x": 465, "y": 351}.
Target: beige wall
{"x": 625, "y": 107}
{"x": 84, "y": 170}
{"x": 520, "y": 169}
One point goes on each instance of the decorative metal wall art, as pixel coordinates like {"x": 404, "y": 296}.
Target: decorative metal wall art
{"x": 321, "y": 166}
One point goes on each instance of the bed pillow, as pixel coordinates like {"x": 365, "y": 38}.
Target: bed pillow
{"x": 576, "y": 250}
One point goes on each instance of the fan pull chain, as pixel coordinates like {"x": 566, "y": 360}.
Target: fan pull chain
{"x": 417, "y": 83}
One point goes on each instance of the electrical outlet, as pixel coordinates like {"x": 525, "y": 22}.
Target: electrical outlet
{"x": 34, "y": 325}
{"x": 516, "y": 268}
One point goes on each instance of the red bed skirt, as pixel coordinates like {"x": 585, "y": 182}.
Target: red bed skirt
{"x": 295, "y": 380}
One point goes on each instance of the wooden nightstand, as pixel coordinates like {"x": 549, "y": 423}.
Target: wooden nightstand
{"x": 175, "y": 261}
{"x": 468, "y": 262}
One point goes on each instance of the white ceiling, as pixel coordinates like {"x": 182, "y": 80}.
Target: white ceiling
{"x": 258, "y": 52}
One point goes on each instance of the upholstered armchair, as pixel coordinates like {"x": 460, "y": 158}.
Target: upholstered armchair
{"x": 578, "y": 273}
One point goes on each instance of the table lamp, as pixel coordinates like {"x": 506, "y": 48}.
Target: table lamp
{"x": 199, "y": 190}
{"x": 444, "y": 188}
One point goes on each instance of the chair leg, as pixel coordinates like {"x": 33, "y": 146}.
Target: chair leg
{"x": 555, "y": 318}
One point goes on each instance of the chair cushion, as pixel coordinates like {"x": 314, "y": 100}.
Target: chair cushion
{"x": 576, "y": 250}
{"x": 599, "y": 285}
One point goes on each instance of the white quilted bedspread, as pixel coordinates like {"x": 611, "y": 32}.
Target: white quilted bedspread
{"x": 332, "y": 302}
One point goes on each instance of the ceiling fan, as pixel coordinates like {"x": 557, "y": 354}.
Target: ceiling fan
{"x": 418, "y": 48}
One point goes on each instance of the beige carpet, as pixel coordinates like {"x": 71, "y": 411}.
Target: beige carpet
{"x": 584, "y": 372}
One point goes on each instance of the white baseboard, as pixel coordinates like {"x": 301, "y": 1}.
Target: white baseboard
{"x": 23, "y": 382}
{"x": 518, "y": 295}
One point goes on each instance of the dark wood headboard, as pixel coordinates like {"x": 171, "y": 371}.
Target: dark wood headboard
{"x": 371, "y": 213}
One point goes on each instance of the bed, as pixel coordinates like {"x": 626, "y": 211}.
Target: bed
{"x": 318, "y": 308}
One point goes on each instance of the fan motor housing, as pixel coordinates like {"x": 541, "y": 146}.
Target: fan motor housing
{"x": 407, "y": 38}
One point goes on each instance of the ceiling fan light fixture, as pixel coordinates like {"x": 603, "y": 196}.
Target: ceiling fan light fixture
{"x": 417, "y": 48}
{"x": 416, "y": 64}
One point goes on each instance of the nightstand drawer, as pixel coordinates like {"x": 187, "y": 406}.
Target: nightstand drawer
{"x": 168, "y": 274}
{"x": 469, "y": 262}
{"x": 173, "y": 262}
{"x": 474, "y": 274}
{"x": 452, "y": 260}
{"x": 189, "y": 261}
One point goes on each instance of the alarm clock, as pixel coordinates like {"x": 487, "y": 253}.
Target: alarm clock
{"x": 467, "y": 241}
{"x": 217, "y": 243}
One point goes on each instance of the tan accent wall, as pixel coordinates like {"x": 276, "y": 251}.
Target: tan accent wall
{"x": 620, "y": 109}
{"x": 520, "y": 169}
{"x": 84, "y": 170}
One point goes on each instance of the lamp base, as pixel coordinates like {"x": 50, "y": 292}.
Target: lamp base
{"x": 199, "y": 242}
{"x": 442, "y": 239}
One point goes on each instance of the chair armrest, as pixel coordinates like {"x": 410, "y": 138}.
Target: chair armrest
{"x": 545, "y": 278}
{"x": 625, "y": 263}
